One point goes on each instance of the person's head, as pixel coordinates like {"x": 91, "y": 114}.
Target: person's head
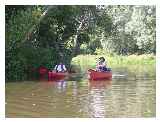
{"x": 101, "y": 59}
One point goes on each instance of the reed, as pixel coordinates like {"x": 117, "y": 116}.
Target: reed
{"x": 134, "y": 62}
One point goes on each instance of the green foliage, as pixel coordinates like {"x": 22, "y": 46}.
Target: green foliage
{"x": 133, "y": 29}
{"x": 138, "y": 63}
{"x": 43, "y": 48}
{"x": 44, "y": 35}
{"x": 15, "y": 66}
{"x": 16, "y": 27}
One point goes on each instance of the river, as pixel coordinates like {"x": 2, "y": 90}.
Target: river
{"x": 126, "y": 95}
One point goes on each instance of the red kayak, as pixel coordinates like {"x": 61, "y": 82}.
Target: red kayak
{"x": 95, "y": 75}
{"x": 56, "y": 75}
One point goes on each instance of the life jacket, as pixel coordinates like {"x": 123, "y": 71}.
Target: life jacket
{"x": 61, "y": 67}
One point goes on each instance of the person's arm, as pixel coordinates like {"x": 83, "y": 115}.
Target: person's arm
{"x": 104, "y": 64}
{"x": 55, "y": 68}
{"x": 64, "y": 67}
{"x": 97, "y": 66}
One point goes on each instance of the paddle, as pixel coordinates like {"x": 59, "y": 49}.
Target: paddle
{"x": 118, "y": 75}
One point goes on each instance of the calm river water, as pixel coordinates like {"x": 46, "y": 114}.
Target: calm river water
{"x": 126, "y": 95}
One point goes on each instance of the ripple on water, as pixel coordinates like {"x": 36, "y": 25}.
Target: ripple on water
{"x": 118, "y": 98}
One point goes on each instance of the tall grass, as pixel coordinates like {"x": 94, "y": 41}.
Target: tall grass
{"x": 134, "y": 62}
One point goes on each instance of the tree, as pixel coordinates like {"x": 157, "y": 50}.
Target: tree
{"x": 142, "y": 28}
{"x": 133, "y": 29}
{"x": 17, "y": 25}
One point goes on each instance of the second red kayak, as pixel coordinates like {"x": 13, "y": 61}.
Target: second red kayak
{"x": 95, "y": 75}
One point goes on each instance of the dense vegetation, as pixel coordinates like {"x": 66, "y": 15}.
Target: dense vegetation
{"x": 44, "y": 35}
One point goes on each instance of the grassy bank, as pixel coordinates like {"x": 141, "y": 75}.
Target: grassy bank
{"x": 133, "y": 62}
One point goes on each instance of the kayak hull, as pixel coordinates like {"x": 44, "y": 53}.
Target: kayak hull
{"x": 95, "y": 75}
{"x": 56, "y": 75}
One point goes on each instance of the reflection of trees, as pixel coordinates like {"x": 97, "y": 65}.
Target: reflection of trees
{"x": 146, "y": 97}
{"x": 130, "y": 98}
{"x": 121, "y": 99}
{"x": 64, "y": 99}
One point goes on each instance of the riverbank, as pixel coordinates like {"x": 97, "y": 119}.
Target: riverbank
{"x": 138, "y": 63}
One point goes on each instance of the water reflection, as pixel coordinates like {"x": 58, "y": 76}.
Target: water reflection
{"x": 103, "y": 84}
{"x": 129, "y": 96}
{"x": 97, "y": 93}
{"x": 60, "y": 85}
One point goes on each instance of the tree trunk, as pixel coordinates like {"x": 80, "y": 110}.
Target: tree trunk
{"x": 76, "y": 43}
